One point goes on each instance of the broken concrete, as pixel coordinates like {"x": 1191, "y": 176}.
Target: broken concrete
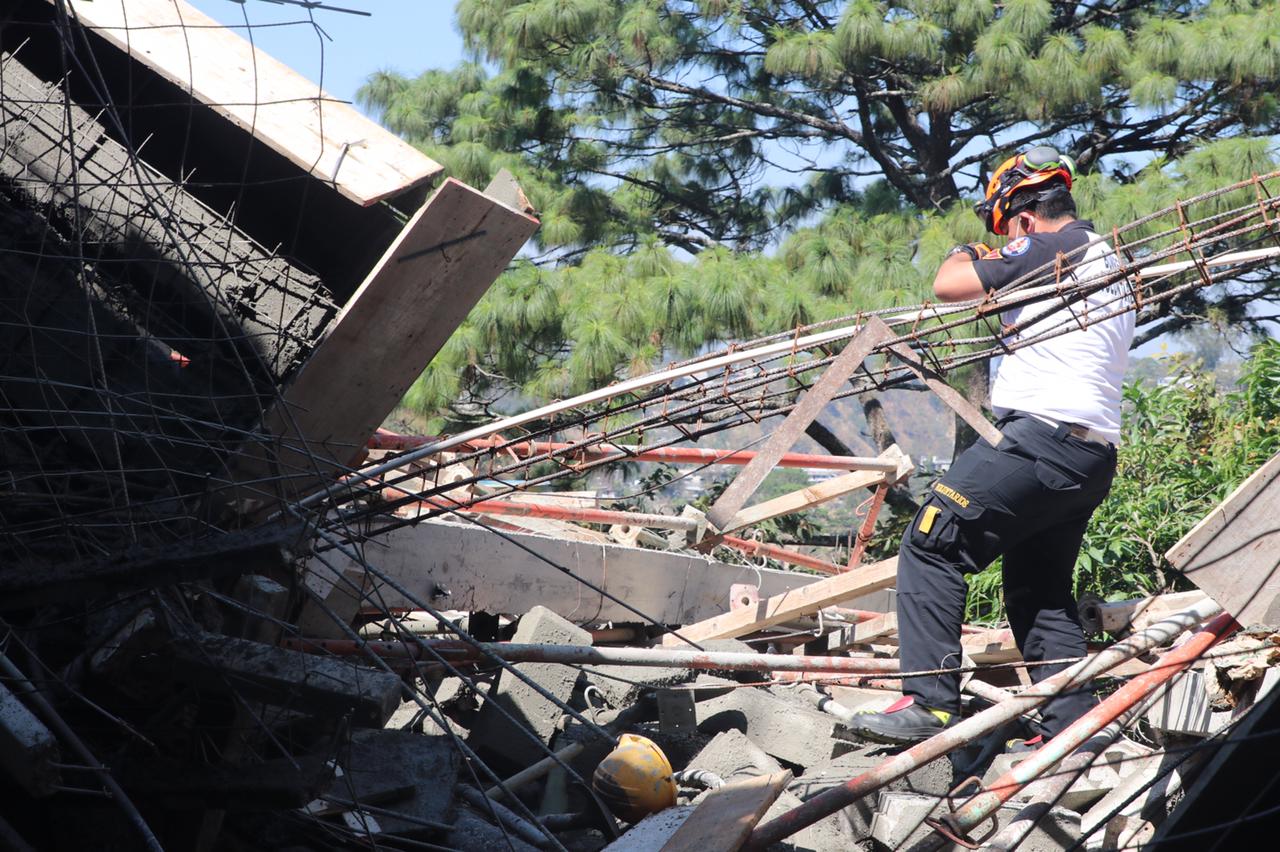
{"x": 411, "y": 774}
{"x": 790, "y": 733}
{"x": 496, "y": 732}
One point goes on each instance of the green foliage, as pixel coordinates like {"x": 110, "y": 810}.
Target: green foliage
{"x": 707, "y": 169}
{"x": 1186, "y": 445}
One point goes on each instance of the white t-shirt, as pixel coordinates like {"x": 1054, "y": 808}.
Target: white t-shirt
{"x": 1074, "y": 377}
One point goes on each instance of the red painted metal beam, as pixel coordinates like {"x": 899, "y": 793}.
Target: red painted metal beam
{"x": 384, "y": 440}
{"x": 782, "y": 554}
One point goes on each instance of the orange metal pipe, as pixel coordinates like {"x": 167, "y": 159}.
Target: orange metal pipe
{"x": 782, "y": 554}
{"x": 567, "y": 513}
{"x": 384, "y": 440}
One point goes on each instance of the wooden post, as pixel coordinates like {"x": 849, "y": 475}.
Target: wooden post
{"x": 422, "y": 289}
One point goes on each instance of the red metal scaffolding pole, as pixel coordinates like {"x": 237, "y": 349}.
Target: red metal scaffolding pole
{"x": 384, "y": 440}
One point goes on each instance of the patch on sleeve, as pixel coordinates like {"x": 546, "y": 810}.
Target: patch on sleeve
{"x": 994, "y": 254}
{"x": 1016, "y": 247}
{"x": 952, "y": 494}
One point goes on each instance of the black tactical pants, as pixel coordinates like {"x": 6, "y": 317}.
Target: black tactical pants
{"x": 1029, "y": 499}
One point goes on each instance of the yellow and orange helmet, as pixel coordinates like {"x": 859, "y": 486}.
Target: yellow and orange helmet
{"x": 1013, "y": 185}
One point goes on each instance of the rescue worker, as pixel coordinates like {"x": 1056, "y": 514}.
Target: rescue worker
{"x": 1029, "y": 498}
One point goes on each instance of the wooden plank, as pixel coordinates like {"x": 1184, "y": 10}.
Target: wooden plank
{"x": 423, "y": 288}
{"x": 323, "y": 136}
{"x": 863, "y": 632}
{"x": 822, "y": 492}
{"x": 991, "y": 646}
{"x": 793, "y": 604}
{"x": 949, "y": 395}
{"x": 1233, "y": 554}
{"x": 727, "y": 815}
{"x": 464, "y": 567}
{"x": 810, "y": 406}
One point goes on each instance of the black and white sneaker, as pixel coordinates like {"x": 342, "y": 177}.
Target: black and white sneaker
{"x": 902, "y": 723}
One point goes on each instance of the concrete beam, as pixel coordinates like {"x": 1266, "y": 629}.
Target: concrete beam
{"x": 469, "y": 568}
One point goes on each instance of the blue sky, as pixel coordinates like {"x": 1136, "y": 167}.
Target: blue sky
{"x": 409, "y": 36}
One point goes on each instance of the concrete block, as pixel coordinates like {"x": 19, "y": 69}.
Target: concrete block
{"x": 899, "y": 824}
{"x": 1182, "y": 706}
{"x": 283, "y": 678}
{"x": 380, "y": 763}
{"x": 734, "y": 757}
{"x": 934, "y": 779}
{"x": 621, "y": 686}
{"x": 497, "y": 734}
{"x": 787, "y": 732}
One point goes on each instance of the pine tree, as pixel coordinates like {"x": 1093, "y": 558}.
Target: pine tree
{"x": 803, "y": 159}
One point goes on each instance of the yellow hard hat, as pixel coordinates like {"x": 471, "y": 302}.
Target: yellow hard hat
{"x": 635, "y": 779}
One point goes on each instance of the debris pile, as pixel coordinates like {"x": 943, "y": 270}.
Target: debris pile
{"x": 236, "y": 614}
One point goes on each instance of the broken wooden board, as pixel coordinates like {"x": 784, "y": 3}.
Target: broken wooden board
{"x": 1233, "y": 554}
{"x": 323, "y": 136}
{"x": 723, "y": 820}
{"x": 792, "y": 604}
{"x": 810, "y": 406}
{"x": 409, "y": 305}
{"x": 467, "y": 567}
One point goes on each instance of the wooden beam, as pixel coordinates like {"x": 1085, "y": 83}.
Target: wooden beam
{"x": 816, "y": 495}
{"x": 862, "y": 633}
{"x": 810, "y": 406}
{"x": 423, "y": 288}
{"x": 793, "y": 604}
{"x": 465, "y": 567}
{"x": 726, "y": 816}
{"x": 326, "y": 138}
{"x": 954, "y": 400}
{"x": 1233, "y": 554}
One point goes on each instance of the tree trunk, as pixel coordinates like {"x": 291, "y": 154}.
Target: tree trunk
{"x": 975, "y": 383}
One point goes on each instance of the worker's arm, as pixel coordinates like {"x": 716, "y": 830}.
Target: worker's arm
{"x": 957, "y": 279}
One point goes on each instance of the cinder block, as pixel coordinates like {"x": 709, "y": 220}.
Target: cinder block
{"x": 497, "y": 734}
{"x": 734, "y": 757}
{"x": 789, "y": 733}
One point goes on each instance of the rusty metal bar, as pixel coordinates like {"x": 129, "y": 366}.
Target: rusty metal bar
{"x": 782, "y": 554}
{"x": 385, "y": 440}
{"x": 868, "y": 525}
{"x": 979, "y": 807}
{"x": 833, "y": 800}
{"x": 565, "y": 513}
{"x": 461, "y": 652}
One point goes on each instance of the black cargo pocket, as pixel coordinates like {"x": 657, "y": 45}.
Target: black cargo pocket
{"x": 938, "y": 525}
{"x": 1055, "y": 478}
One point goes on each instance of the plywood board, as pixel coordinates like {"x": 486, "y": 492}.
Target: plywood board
{"x": 1233, "y": 554}
{"x": 419, "y": 293}
{"x": 325, "y": 137}
{"x": 725, "y": 818}
{"x": 465, "y": 567}
{"x": 776, "y": 609}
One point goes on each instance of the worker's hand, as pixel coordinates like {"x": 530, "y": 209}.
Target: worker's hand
{"x": 974, "y": 250}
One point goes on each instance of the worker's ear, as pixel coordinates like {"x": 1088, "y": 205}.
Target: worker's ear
{"x": 1027, "y": 223}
